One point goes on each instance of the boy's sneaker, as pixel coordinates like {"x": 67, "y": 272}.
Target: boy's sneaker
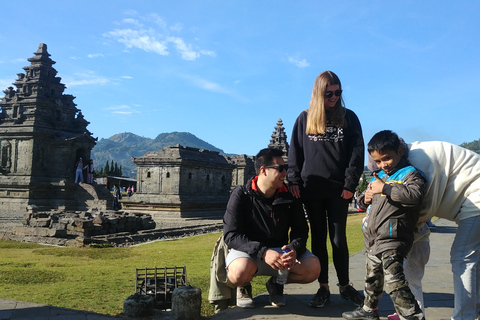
{"x": 276, "y": 293}
{"x": 349, "y": 293}
{"x": 244, "y": 297}
{"x": 361, "y": 314}
{"x": 321, "y": 298}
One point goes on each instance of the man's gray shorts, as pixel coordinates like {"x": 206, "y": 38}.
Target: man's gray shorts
{"x": 263, "y": 269}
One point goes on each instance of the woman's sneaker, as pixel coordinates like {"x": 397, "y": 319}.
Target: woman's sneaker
{"x": 349, "y": 293}
{"x": 321, "y": 298}
{"x": 244, "y": 297}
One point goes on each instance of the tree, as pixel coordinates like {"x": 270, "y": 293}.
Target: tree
{"x": 362, "y": 186}
{"x": 106, "y": 171}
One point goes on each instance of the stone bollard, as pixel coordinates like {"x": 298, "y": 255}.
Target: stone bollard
{"x": 186, "y": 303}
{"x": 138, "y": 305}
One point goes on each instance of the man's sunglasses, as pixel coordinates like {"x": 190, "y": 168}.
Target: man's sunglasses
{"x": 329, "y": 94}
{"x": 280, "y": 168}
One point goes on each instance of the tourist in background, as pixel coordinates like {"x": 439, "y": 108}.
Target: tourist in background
{"x": 325, "y": 161}
{"x": 116, "y": 196}
{"x": 89, "y": 167}
{"x": 79, "y": 170}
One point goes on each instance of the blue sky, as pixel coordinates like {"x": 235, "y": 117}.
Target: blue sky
{"x": 226, "y": 71}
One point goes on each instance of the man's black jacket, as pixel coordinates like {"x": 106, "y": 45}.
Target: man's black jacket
{"x": 253, "y": 223}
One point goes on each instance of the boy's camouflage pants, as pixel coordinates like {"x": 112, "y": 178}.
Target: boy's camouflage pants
{"x": 385, "y": 272}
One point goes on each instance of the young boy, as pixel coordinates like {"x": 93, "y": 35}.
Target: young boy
{"x": 393, "y": 199}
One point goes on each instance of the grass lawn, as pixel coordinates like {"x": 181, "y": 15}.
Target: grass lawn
{"x": 100, "y": 279}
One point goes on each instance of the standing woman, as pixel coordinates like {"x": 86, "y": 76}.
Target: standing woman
{"x": 325, "y": 162}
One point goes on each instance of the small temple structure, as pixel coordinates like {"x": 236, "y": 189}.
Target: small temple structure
{"x": 180, "y": 181}
{"x": 279, "y": 139}
{"x": 42, "y": 134}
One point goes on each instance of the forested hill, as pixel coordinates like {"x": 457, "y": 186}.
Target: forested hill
{"x": 122, "y": 146}
{"x": 474, "y": 145}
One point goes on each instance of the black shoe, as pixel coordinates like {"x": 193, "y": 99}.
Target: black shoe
{"x": 321, "y": 298}
{"x": 276, "y": 293}
{"x": 360, "y": 314}
{"x": 349, "y": 293}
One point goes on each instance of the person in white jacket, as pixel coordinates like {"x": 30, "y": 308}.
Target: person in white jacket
{"x": 453, "y": 193}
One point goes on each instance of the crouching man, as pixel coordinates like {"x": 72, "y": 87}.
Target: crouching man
{"x": 262, "y": 221}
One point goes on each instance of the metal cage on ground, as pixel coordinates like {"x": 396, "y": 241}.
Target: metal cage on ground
{"x": 160, "y": 283}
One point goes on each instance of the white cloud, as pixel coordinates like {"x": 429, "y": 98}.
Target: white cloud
{"x": 177, "y": 27}
{"x": 139, "y": 39}
{"x": 86, "y": 78}
{"x": 122, "y": 110}
{"x": 126, "y": 77}
{"x": 151, "y": 34}
{"x": 95, "y": 55}
{"x": 208, "y": 53}
{"x": 132, "y": 21}
{"x": 185, "y": 50}
{"x": 299, "y": 63}
{"x": 206, "y": 85}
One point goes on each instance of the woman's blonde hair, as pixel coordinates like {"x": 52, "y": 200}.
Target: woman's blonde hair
{"x": 317, "y": 116}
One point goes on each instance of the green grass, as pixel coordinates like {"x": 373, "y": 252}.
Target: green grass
{"x": 100, "y": 279}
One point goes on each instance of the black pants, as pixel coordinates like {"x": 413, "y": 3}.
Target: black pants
{"x": 332, "y": 213}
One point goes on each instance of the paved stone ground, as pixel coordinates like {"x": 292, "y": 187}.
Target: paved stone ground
{"x": 437, "y": 284}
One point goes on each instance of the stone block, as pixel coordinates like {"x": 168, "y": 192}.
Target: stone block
{"x": 112, "y": 221}
{"x": 40, "y": 222}
{"x": 137, "y": 305}
{"x": 186, "y": 303}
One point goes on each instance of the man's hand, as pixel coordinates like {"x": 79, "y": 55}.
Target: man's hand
{"x": 273, "y": 259}
{"x": 289, "y": 258}
{"x": 295, "y": 190}
{"x": 278, "y": 260}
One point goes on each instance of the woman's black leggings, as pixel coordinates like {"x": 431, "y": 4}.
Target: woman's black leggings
{"x": 332, "y": 212}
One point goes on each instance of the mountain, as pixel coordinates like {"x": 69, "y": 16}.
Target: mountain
{"x": 122, "y": 146}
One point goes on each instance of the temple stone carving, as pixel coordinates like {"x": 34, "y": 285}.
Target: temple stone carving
{"x": 42, "y": 134}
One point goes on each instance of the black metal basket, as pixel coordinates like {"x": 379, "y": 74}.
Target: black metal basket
{"x": 160, "y": 283}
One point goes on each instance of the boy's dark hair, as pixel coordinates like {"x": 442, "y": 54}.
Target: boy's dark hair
{"x": 384, "y": 141}
{"x": 265, "y": 157}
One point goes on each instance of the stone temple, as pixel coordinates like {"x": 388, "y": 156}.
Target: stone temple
{"x": 42, "y": 134}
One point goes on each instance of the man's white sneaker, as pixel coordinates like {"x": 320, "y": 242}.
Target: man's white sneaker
{"x": 244, "y": 297}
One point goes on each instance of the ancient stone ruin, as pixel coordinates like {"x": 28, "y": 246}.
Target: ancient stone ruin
{"x": 78, "y": 228}
{"x": 180, "y": 181}
{"x": 42, "y": 134}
